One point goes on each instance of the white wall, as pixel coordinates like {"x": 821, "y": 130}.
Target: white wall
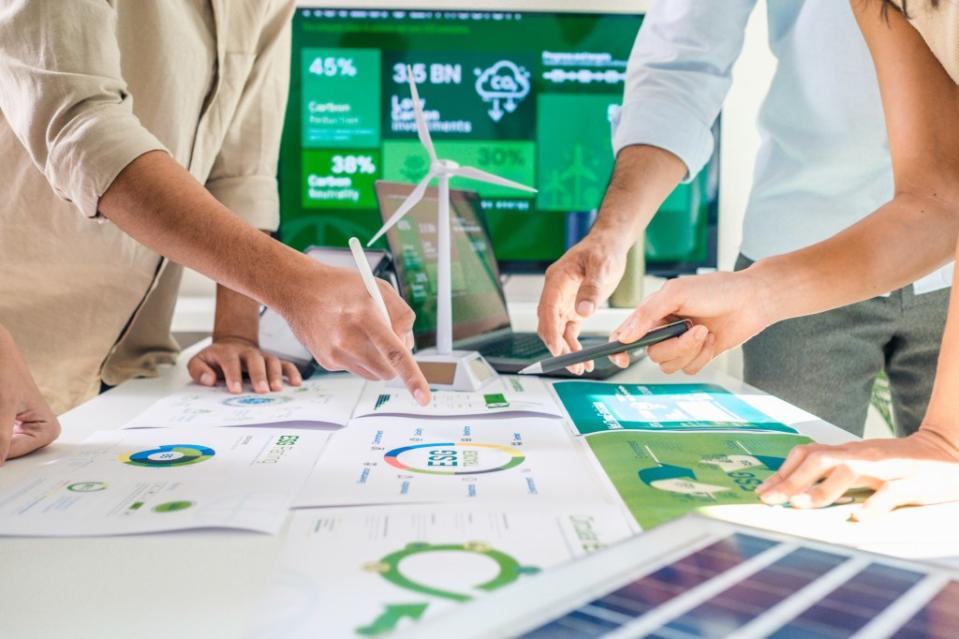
{"x": 740, "y": 138}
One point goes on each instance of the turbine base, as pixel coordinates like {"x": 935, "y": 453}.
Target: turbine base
{"x": 456, "y": 371}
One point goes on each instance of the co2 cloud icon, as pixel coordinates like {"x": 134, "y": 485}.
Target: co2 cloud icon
{"x": 504, "y": 85}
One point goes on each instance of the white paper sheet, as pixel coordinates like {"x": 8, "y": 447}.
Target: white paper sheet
{"x": 516, "y": 461}
{"x": 322, "y": 400}
{"x": 141, "y": 481}
{"x": 509, "y": 395}
{"x": 365, "y": 572}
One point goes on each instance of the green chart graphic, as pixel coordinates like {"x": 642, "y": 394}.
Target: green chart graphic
{"x": 406, "y": 161}
{"x": 575, "y": 153}
{"x": 341, "y": 98}
{"x": 662, "y": 476}
{"x": 172, "y": 506}
{"x": 390, "y": 569}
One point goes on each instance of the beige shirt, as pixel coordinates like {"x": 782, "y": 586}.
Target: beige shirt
{"x": 939, "y": 26}
{"x": 87, "y": 86}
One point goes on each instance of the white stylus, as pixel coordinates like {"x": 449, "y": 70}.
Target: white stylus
{"x": 363, "y": 266}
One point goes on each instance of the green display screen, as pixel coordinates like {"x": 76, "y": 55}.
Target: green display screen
{"x": 528, "y": 96}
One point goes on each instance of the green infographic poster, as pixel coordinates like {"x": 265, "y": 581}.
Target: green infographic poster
{"x": 601, "y": 406}
{"x": 662, "y": 476}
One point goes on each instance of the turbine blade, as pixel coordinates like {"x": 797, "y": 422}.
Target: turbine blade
{"x": 422, "y": 128}
{"x": 483, "y": 176}
{"x": 414, "y": 198}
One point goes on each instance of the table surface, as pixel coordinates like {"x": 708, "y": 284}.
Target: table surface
{"x": 189, "y": 584}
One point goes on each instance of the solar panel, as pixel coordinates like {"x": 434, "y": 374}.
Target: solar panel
{"x": 697, "y": 578}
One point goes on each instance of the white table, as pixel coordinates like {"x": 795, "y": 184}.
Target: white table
{"x": 191, "y": 584}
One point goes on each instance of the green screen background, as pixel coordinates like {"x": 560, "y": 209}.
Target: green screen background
{"x": 345, "y": 122}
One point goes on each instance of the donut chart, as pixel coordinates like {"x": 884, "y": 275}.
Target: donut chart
{"x": 168, "y": 455}
{"x": 454, "y": 458}
{"x": 255, "y": 401}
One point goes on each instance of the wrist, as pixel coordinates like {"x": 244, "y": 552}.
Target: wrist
{"x": 942, "y": 437}
{"x": 301, "y": 279}
{"x": 612, "y": 238}
{"x": 763, "y": 292}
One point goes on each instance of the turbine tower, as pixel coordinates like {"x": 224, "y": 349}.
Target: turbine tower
{"x": 456, "y": 370}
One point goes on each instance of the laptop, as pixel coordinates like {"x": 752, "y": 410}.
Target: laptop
{"x": 481, "y": 319}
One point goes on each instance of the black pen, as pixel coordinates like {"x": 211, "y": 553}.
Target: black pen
{"x": 655, "y": 336}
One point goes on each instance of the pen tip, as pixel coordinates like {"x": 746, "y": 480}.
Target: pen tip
{"x": 532, "y": 368}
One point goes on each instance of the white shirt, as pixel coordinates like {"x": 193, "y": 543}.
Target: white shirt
{"x": 824, "y": 160}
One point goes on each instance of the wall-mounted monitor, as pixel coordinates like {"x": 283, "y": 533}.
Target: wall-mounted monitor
{"x": 527, "y": 95}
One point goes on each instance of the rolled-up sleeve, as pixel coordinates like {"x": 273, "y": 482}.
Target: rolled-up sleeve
{"x": 63, "y": 94}
{"x": 243, "y": 177}
{"x": 678, "y": 76}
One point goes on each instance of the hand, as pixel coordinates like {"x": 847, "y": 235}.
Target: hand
{"x": 727, "y": 309}
{"x": 26, "y": 421}
{"x": 575, "y": 285}
{"x": 916, "y": 470}
{"x": 228, "y": 357}
{"x": 336, "y": 319}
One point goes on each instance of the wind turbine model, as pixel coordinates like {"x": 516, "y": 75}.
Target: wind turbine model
{"x": 442, "y": 366}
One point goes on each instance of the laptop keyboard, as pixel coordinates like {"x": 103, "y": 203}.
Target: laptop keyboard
{"x": 517, "y": 346}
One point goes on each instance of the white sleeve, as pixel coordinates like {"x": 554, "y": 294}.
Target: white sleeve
{"x": 678, "y": 75}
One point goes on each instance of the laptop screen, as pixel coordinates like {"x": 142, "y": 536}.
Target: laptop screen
{"x": 478, "y": 302}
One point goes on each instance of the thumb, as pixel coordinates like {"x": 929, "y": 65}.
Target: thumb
{"x": 402, "y": 316}
{"x": 652, "y": 312}
{"x": 588, "y": 296}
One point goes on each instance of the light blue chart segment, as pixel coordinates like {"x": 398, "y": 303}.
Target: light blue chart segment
{"x": 596, "y": 407}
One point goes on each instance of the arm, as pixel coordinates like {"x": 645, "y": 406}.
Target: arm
{"x": 879, "y": 254}
{"x": 157, "y": 202}
{"x": 912, "y": 234}
{"x": 678, "y": 76}
{"x": 65, "y": 99}
{"x": 924, "y": 467}
{"x": 906, "y": 238}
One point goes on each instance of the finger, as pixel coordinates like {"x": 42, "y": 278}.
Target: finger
{"x": 340, "y": 360}
{"x": 367, "y": 356}
{"x": 652, "y": 312}
{"x": 256, "y": 370}
{"x": 816, "y": 466}
{"x": 552, "y": 311}
{"x": 571, "y": 336}
{"x": 795, "y": 457}
{"x": 402, "y": 316}
{"x": 232, "y": 370}
{"x": 620, "y": 359}
{"x": 705, "y": 356}
{"x": 292, "y": 373}
{"x": 274, "y": 372}
{"x": 8, "y": 416}
{"x": 688, "y": 344}
{"x": 590, "y": 290}
{"x": 201, "y": 372}
{"x": 30, "y": 437}
{"x": 400, "y": 360}
{"x": 891, "y": 495}
{"x": 841, "y": 479}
